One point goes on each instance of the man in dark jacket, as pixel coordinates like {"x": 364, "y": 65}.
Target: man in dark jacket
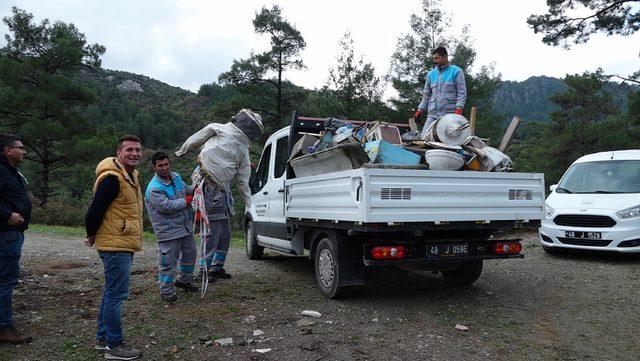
{"x": 15, "y": 212}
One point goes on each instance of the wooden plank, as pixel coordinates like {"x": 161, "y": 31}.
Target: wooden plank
{"x": 472, "y": 119}
{"x": 509, "y": 134}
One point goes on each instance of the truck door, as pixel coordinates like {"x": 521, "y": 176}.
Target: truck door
{"x": 260, "y": 192}
{"x": 275, "y": 197}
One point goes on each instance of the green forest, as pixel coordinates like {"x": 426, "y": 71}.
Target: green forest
{"x": 70, "y": 111}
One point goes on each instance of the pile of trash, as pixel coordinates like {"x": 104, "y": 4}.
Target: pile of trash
{"x": 445, "y": 145}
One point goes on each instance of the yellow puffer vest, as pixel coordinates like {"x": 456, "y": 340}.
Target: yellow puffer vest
{"x": 121, "y": 228}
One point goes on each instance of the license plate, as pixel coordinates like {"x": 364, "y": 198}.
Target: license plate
{"x": 583, "y": 235}
{"x": 447, "y": 250}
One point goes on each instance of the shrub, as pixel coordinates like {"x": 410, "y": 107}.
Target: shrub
{"x": 60, "y": 212}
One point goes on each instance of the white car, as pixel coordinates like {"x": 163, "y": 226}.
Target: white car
{"x": 596, "y": 205}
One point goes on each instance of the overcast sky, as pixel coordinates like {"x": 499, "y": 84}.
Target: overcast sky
{"x": 190, "y": 42}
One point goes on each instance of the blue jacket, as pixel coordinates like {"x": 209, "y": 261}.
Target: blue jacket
{"x": 167, "y": 208}
{"x": 444, "y": 91}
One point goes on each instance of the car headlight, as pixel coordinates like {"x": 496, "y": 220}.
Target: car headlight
{"x": 632, "y": 212}
{"x": 548, "y": 210}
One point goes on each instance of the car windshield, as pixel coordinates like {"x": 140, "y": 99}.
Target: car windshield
{"x": 611, "y": 176}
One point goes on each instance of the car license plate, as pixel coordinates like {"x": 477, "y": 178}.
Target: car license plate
{"x": 583, "y": 235}
{"x": 447, "y": 250}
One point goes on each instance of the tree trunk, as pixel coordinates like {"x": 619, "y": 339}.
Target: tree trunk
{"x": 43, "y": 197}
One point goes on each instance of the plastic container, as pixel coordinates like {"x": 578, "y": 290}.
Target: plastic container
{"x": 382, "y": 152}
{"x": 441, "y": 159}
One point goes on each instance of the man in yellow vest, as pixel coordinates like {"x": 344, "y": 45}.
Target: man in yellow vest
{"x": 114, "y": 224}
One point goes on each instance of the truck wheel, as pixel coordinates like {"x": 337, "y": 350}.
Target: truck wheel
{"x": 468, "y": 273}
{"x": 254, "y": 251}
{"x": 327, "y": 269}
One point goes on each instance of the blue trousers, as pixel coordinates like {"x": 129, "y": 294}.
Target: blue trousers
{"x": 10, "y": 250}
{"x": 117, "y": 276}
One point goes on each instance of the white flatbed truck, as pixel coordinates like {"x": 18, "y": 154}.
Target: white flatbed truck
{"x": 379, "y": 215}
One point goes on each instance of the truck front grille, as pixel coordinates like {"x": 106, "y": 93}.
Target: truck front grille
{"x": 583, "y": 220}
{"x": 585, "y": 242}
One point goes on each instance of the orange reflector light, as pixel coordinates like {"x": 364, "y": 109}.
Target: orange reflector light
{"x": 387, "y": 252}
{"x": 507, "y": 247}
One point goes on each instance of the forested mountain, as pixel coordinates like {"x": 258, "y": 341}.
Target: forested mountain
{"x": 160, "y": 114}
{"x": 530, "y": 99}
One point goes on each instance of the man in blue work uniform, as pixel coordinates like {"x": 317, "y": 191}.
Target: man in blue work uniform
{"x": 168, "y": 202}
{"x": 445, "y": 90}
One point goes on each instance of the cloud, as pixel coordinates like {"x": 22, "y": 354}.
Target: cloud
{"x": 190, "y": 42}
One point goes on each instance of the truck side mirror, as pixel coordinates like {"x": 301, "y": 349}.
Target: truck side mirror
{"x": 553, "y": 187}
{"x": 252, "y": 181}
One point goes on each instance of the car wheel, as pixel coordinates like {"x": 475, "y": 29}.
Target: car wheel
{"x": 468, "y": 273}
{"x": 254, "y": 251}
{"x": 327, "y": 269}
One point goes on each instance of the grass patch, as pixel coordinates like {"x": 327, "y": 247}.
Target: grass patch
{"x": 71, "y": 350}
{"x": 237, "y": 236}
{"x": 62, "y": 230}
{"x": 237, "y": 239}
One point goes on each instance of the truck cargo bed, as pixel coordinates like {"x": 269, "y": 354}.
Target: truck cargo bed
{"x": 401, "y": 194}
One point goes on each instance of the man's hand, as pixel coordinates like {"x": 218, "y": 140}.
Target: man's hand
{"x": 90, "y": 241}
{"x": 459, "y": 111}
{"x": 417, "y": 114}
{"x": 15, "y": 220}
{"x": 189, "y": 199}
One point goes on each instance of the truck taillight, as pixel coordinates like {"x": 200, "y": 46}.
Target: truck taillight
{"x": 387, "y": 252}
{"x": 507, "y": 247}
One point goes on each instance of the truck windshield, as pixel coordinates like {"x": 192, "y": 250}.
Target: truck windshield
{"x": 611, "y": 176}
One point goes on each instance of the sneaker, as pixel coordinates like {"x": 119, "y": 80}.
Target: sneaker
{"x": 170, "y": 298}
{"x": 221, "y": 273}
{"x": 11, "y": 336}
{"x": 189, "y": 287}
{"x": 122, "y": 352}
{"x": 101, "y": 345}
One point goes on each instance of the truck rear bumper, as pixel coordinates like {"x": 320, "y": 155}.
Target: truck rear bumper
{"x": 435, "y": 262}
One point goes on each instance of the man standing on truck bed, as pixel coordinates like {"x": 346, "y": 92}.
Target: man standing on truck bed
{"x": 224, "y": 157}
{"x": 445, "y": 90}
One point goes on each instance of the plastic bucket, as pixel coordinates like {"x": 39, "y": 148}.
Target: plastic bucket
{"x": 441, "y": 159}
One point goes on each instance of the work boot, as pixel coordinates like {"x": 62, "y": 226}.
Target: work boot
{"x": 170, "y": 298}
{"x": 189, "y": 287}
{"x": 220, "y": 273}
{"x": 198, "y": 277}
{"x": 101, "y": 345}
{"x": 12, "y": 336}
{"x": 122, "y": 352}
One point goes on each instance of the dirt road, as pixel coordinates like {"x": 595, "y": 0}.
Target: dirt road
{"x": 566, "y": 307}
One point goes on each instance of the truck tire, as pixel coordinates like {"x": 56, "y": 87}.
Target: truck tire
{"x": 254, "y": 251}
{"x": 468, "y": 273}
{"x": 327, "y": 269}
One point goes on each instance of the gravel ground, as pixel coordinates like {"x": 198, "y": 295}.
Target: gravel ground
{"x": 543, "y": 307}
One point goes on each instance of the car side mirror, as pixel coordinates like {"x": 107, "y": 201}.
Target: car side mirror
{"x": 553, "y": 187}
